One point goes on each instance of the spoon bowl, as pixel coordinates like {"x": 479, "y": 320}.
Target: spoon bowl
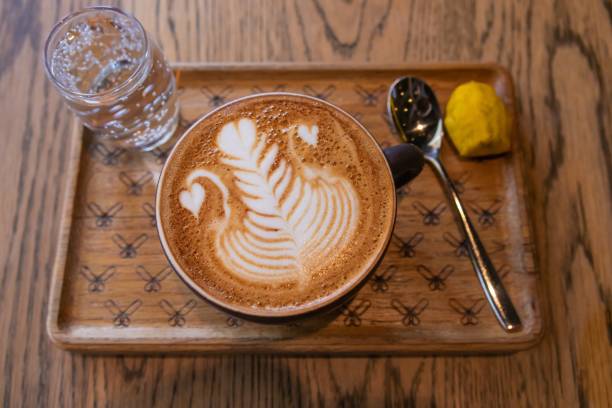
{"x": 416, "y": 113}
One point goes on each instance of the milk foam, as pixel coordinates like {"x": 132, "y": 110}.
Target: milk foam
{"x": 275, "y": 203}
{"x": 296, "y": 215}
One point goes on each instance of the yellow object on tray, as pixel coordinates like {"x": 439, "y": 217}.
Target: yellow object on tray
{"x": 476, "y": 121}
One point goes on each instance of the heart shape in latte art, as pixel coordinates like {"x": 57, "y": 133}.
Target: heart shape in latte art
{"x": 296, "y": 215}
{"x": 192, "y": 199}
{"x": 308, "y": 135}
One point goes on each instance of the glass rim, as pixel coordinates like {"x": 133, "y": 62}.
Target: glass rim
{"x": 71, "y": 16}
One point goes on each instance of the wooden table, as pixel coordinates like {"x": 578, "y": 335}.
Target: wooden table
{"x": 559, "y": 53}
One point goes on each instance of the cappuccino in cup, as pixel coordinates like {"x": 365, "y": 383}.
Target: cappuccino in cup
{"x": 275, "y": 205}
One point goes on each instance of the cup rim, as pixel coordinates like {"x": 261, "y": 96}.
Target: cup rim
{"x": 94, "y": 95}
{"x": 322, "y": 303}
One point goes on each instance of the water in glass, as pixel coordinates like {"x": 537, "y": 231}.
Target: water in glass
{"x": 113, "y": 77}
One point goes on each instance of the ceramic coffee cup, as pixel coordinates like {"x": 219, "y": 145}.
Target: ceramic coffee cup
{"x": 278, "y": 205}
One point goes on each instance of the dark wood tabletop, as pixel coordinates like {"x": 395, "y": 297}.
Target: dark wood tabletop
{"x": 559, "y": 53}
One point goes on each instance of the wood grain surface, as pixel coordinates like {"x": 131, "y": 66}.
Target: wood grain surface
{"x": 559, "y": 54}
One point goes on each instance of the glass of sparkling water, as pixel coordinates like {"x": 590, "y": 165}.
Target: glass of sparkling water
{"x": 113, "y": 77}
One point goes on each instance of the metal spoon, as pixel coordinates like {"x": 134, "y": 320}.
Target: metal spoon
{"x": 417, "y": 116}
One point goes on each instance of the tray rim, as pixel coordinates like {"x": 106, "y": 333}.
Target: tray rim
{"x": 64, "y": 340}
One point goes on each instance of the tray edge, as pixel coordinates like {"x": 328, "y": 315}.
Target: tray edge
{"x": 520, "y": 172}
{"x": 54, "y": 331}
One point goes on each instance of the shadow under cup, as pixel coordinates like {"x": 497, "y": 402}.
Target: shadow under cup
{"x": 402, "y": 163}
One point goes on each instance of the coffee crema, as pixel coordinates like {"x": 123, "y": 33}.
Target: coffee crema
{"x": 275, "y": 202}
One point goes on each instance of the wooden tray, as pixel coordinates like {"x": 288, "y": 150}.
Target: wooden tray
{"x": 113, "y": 289}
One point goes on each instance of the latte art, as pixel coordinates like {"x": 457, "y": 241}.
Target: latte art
{"x": 290, "y": 216}
{"x": 275, "y": 202}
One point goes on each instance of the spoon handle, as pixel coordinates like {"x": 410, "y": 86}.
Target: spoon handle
{"x": 487, "y": 275}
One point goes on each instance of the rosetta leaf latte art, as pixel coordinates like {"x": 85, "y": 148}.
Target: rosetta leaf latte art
{"x": 292, "y": 218}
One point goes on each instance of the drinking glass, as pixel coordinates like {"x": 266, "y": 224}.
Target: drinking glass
{"x": 113, "y": 77}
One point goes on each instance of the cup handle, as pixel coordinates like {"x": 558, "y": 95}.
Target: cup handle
{"x": 406, "y": 162}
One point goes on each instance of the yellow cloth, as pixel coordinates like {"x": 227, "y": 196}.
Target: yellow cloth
{"x": 476, "y": 121}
